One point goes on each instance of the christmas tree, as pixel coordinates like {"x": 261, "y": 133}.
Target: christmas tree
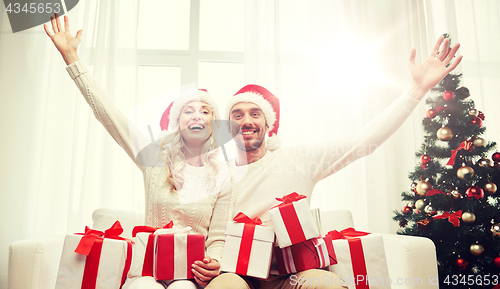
{"x": 452, "y": 198}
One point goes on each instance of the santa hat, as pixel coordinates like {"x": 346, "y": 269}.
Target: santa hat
{"x": 268, "y": 103}
{"x": 170, "y": 117}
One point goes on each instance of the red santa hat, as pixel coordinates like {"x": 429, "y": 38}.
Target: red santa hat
{"x": 170, "y": 117}
{"x": 268, "y": 103}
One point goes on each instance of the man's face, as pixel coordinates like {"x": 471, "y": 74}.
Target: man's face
{"x": 251, "y": 132}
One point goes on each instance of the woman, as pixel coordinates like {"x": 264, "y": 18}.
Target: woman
{"x": 191, "y": 188}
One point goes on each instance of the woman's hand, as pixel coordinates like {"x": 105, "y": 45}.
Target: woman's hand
{"x": 206, "y": 270}
{"x": 63, "y": 40}
{"x": 429, "y": 73}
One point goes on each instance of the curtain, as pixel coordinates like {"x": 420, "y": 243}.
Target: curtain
{"x": 58, "y": 163}
{"x": 337, "y": 64}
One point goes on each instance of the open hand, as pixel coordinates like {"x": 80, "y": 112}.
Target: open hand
{"x": 63, "y": 40}
{"x": 429, "y": 73}
{"x": 206, "y": 270}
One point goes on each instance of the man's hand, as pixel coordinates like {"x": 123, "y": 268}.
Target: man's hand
{"x": 63, "y": 40}
{"x": 429, "y": 73}
{"x": 206, "y": 270}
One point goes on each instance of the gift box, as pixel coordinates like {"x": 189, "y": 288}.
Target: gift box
{"x": 175, "y": 252}
{"x": 143, "y": 250}
{"x": 361, "y": 261}
{"x": 248, "y": 248}
{"x": 292, "y": 220}
{"x": 95, "y": 259}
{"x": 311, "y": 254}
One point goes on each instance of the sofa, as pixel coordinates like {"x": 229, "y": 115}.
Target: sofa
{"x": 33, "y": 264}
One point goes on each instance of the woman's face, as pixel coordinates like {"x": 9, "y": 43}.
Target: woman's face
{"x": 194, "y": 122}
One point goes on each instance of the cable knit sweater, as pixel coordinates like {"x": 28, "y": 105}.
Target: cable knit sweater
{"x": 299, "y": 168}
{"x": 197, "y": 204}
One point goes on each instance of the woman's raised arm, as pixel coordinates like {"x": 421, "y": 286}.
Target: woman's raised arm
{"x": 63, "y": 40}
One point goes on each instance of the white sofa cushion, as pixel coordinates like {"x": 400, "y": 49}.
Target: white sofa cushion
{"x": 105, "y": 218}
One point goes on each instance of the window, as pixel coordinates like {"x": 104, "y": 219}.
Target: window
{"x": 195, "y": 41}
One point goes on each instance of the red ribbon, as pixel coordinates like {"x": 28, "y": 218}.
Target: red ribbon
{"x": 147, "y": 267}
{"x": 289, "y": 199}
{"x": 242, "y": 218}
{"x": 452, "y": 218}
{"x": 356, "y": 251}
{"x": 246, "y": 241}
{"x": 346, "y": 234}
{"x": 438, "y": 108}
{"x": 91, "y": 246}
{"x": 466, "y": 145}
{"x": 433, "y": 192}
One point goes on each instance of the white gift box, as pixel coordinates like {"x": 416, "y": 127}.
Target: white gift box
{"x": 139, "y": 252}
{"x": 370, "y": 264}
{"x": 110, "y": 269}
{"x": 260, "y": 255}
{"x": 293, "y": 223}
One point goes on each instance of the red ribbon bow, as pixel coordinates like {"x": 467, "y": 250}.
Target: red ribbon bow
{"x": 433, "y": 192}
{"x": 348, "y": 233}
{"x": 91, "y": 235}
{"x": 466, "y": 145}
{"x": 148, "y": 229}
{"x": 242, "y": 218}
{"x": 291, "y": 198}
{"x": 452, "y": 218}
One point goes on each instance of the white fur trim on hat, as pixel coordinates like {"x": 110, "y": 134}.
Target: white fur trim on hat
{"x": 179, "y": 104}
{"x": 257, "y": 99}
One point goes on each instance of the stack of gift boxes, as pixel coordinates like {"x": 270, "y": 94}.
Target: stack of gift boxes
{"x": 96, "y": 259}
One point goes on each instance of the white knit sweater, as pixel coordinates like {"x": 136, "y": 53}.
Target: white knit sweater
{"x": 299, "y": 168}
{"x": 198, "y": 204}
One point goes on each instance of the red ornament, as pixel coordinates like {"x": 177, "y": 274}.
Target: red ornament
{"x": 461, "y": 263}
{"x": 496, "y": 157}
{"x": 497, "y": 261}
{"x": 480, "y": 114}
{"x": 476, "y": 120}
{"x": 448, "y": 95}
{"x": 407, "y": 210}
{"x": 431, "y": 113}
{"x": 425, "y": 159}
{"x": 475, "y": 192}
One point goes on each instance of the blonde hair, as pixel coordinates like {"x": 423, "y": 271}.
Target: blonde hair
{"x": 175, "y": 160}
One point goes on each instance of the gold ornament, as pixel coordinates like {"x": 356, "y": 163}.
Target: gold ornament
{"x": 444, "y": 134}
{"x": 423, "y": 187}
{"x": 484, "y": 162}
{"x": 420, "y": 204}
{"x": 468, "y": 217}
{"x": 476, "y": 249}
{"x": 465, "y": 172}
{"x": 495, "y": 230}
{"x": 490, "y": 188}
{"x": 479, "y": 142}
{"x": 473, "y": 111}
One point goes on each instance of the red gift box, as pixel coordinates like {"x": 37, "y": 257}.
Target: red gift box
{"x": 311, "y": 254}
{"x": 175, "y": 253}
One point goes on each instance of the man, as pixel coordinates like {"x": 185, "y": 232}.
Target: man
{"x": 263, "y": 173}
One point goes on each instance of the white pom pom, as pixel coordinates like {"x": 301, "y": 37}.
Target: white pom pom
{"x": 273, "y": 143}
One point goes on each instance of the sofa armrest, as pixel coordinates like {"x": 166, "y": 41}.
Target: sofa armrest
{"x": 34, "y": 263}
{"x": 411, "y": 261}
